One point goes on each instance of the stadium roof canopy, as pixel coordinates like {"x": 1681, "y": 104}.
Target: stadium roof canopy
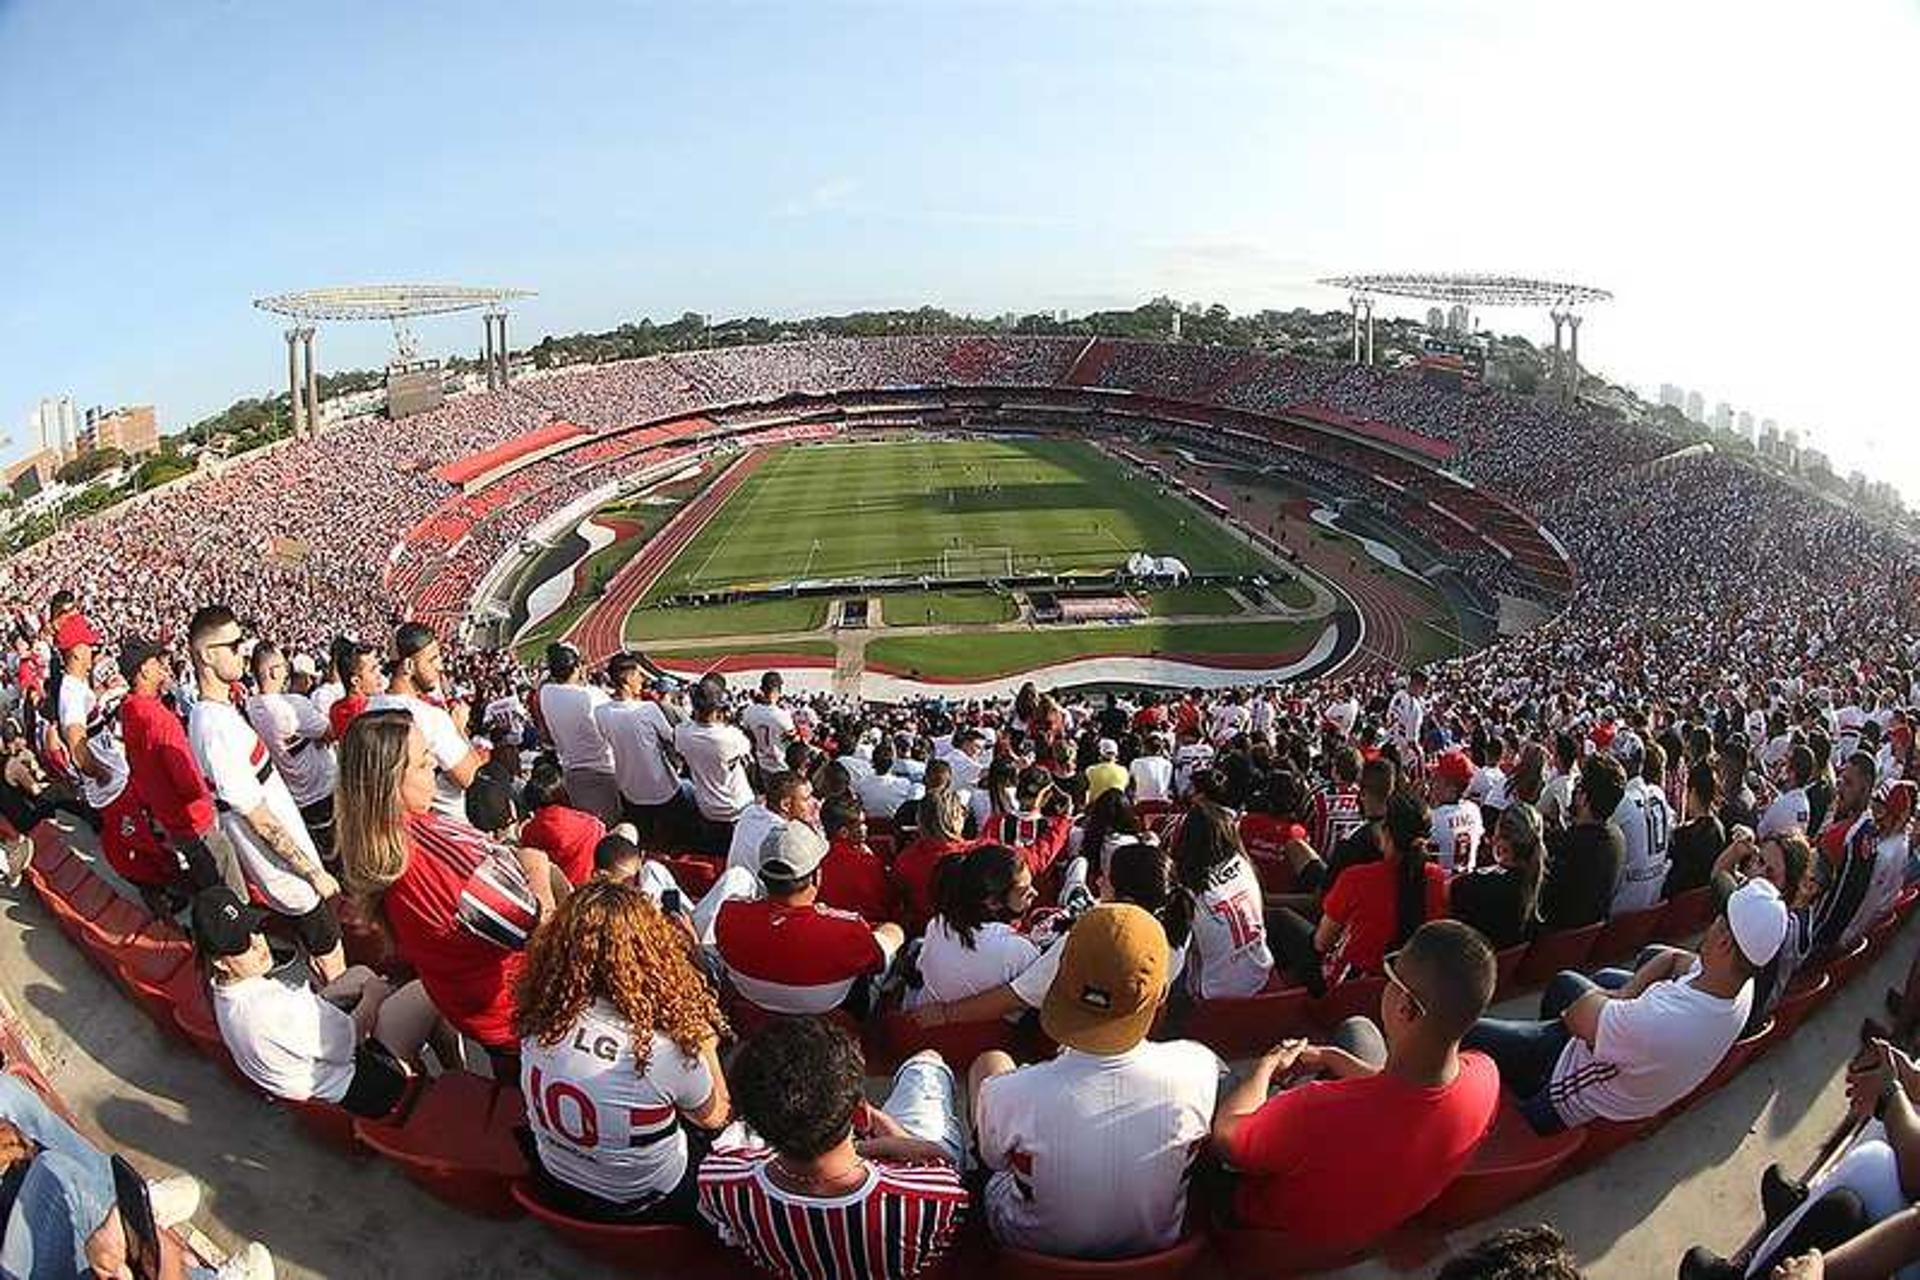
{"x": 385, "y": 301}
{"x": 1476, "y": 290}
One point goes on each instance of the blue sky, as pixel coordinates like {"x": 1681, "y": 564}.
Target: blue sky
{"x": 1740, "y": 175}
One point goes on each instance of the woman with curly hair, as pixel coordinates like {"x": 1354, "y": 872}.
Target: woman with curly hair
{"x": 618, "y": 1034}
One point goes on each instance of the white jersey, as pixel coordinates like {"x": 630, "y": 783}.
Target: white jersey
{"x": 1458, "y": 830}
{"x": 1789, "y": 809}
{"x": 1152, "y": 778}
{"x": 1645, "y": 823}
{"x": 1648, "y": 1052}
{"x": 640, "y": 735}
{"x": 768, "y": 725}
{"x": 1090, "y": 1155}
{"x": 1883, "y": 887}
{"x": 1230, "y": 952}
{"x": 99, "y": 719}
{"x": 243, "y": 780}
{"x": 567, "y": 710}
{"x": 448, "y": 745}
{"x": 716, "y": 757}
{"x": 950, "y": 970}
{"x": 285, "y": 1038}
{"x": 1406, "y": 715}
{"x": 601, "y": 1124}
{"x": 296, "y": 736}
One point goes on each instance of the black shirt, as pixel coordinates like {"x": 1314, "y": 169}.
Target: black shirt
{"x": 1362, "y": 846}
{"x": 1492, "y": 900}
{"x": 1583, "y": 862}
{"x": 1819, "y": 804}
{"x": 1695, "y": 845}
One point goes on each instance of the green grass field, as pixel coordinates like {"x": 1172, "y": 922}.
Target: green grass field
{"x": 1176, "y": 601}
{"x": 980, "y": 656}
{"x": 956, "y": 508}
{"x": 945, "y": 608}
{"x": 810, "y": 648}
{"x": 749, "y": 617}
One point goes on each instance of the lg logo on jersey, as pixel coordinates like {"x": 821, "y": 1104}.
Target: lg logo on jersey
{"x": 605, "y": 1048}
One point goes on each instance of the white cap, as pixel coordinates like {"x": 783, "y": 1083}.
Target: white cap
{"x": 1108, "y": 749}
{"x": 626, "y": 831}
{"x": 302, "y": 665}
{"x": 1758, "y": 920}
{"x": 792, "y": 851}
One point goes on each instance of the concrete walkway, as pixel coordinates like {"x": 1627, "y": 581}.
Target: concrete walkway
{"x": 326, "y": 1215}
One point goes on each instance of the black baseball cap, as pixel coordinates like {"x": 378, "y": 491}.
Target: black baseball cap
{"x": 222, "y": 924}
{"x": 134, "y": 652}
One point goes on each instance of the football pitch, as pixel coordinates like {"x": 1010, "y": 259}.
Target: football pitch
{"x": 943, "y": 509}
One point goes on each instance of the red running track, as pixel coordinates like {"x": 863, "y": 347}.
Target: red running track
{"x": 598, "y": 633}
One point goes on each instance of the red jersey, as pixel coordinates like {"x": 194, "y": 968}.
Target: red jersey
{"x": 1265, "y": 837}
{"x": 854, "y": 879}
{"x": 342, "y": 713}
{"x": 469, "y": 979}
{"x": 913, "y": 869}
{"x": 1311, "y": 1158}
{"x": 899, "y": 1222}
{"x": 162, "y": 768}
{"x": 795, "y": 959}
{"x": 568, "y": 837}
{"x": 1366, "y": 900}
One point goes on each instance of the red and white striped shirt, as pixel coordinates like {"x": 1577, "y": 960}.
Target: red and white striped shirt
{"x": 894, "y": 1226}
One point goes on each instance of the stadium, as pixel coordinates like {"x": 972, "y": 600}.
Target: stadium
{"x": 1054, "y": 541}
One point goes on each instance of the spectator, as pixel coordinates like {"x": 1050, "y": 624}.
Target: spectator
{"x": 619, "y": 1043}
{"x": 789, "y": 798}
{"x": 1500, "y": 900}
{"x": 257, "y": 812}
{"x": 347, "y": 1043}
{"x": 1626, "y": 1046}
{"x": 1699, "y": 839}
{"x": 1645, "y": 825}
{"x": 788, "y": 953}
{"x": 1108, "y": 774}
{"x": 1381, "y": 1121}
{"x": 972, "y": 945}
{"x": 1054, "y": 1133}
{"x": 768, "y": 726}
{"x": 1376, "y": 907}
{"x": 568, "y": 707}
{"x": 1221, "y": 906}
{"x": 853, "y": 878}
{"x": 1457, "y": 826}
{"x": 460, "y": 910}
{"x": 716, "y": 756}
{"x": 1151, "y": 772}
{"x": 413, "y": 686}
{"x": 363, "y": 683}
{"x": 559, "y": 828}
{"x": 942, "y": 817}
{"x": 1583, "y": 862}
{"x": 882, "y": 793}
{"x": 833, "y": 1160}
{"x": 641, "y": 735}
{"x": 1518, "y": 1253}
{"x": 295, "y": 734}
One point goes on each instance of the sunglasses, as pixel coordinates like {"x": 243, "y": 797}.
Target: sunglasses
{"x": 1393, "y": 979}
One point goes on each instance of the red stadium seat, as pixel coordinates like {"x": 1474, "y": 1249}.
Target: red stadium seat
{"x": 1507, "y": 970}
{"x": 1552, "y": 952}
{"x": 1250, "y": 1026}
{"x": 56, "y": 871}
{"x": 327, "y": 1123}
{"x": 1356, "y": 997}
{"x": 1510, "y": 1164}
{"x": 152, "y": 956}
{"x": 693, "y": 872}
{"x": 1604, "y": 1137}
{"x": 1801, "y": 999}
{"x": 1686, "y": 915}
{"x": 657, "y": 1249}
{"x": 1845, "y": 967}
{"x": 458, "y": 1144}
{"x": 1881, "y": 936}
{"x": 894, "y": 1037}
{"x": 74, "y": 912}
{"x": 1248, "y": 1254}
{"x": 1909, "y": 898}
{"x": 1742, "y": 1052}
{"x": 1009, "y": 1263}
{"x": 1624, "y": 935}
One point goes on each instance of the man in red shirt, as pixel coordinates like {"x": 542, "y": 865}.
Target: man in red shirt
{"x": 1341, "y": 1161}
{"x": 568, "y": 836}
{"x": 788, "y": 952}
{"x": 164, "y": 774}
{"x": 853, "y": 878}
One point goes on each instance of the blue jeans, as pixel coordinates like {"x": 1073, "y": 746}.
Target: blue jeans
{"x": 64, "y": 1198}
{"x": 1526, "y": 1051}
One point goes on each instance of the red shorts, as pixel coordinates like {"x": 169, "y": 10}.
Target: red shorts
{"x": 132, "y": 847}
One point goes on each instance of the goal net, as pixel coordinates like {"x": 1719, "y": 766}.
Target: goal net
{"x": 976, "y": 562}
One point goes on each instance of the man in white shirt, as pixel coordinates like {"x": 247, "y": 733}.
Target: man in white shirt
{"x": 884, "y": 792}
{"x": 1628, "y": 1046}
{"x": 1055, "y": 1133}
{"x": 1457, "y": 825}
{"x": 566, "y": 704}
{"x": 345, "y": 1044}
{"x": 641, "y": 737}
{"x": 1791, "y": 808}
{"x": 1227, "y": 719}
{"x": 1406, "y": 716}
{"x": 768, "y": 725}
{"x": 90, "y": 719}
{"x": 1645, "y": 823}
{"x": 257, "y": 812}
{"x": 965, "y": 759}
{"x": 1152, "y": 773}
{"x": 413, "y": 686}
{"x": 716, "y": 755}
{"x": 296, "y": 736}
{"x": 789, "y": 798}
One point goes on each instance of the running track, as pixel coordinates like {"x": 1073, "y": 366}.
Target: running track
{"x": 599, "y": 633}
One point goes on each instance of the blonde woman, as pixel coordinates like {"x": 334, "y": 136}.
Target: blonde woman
{"x": 460, "y": 908}
{"x": 618, "y": 1053}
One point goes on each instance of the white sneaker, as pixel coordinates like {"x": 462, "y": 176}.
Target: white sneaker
{"x": 175, "y": 1200}
{"x": 252, "y": 1263}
